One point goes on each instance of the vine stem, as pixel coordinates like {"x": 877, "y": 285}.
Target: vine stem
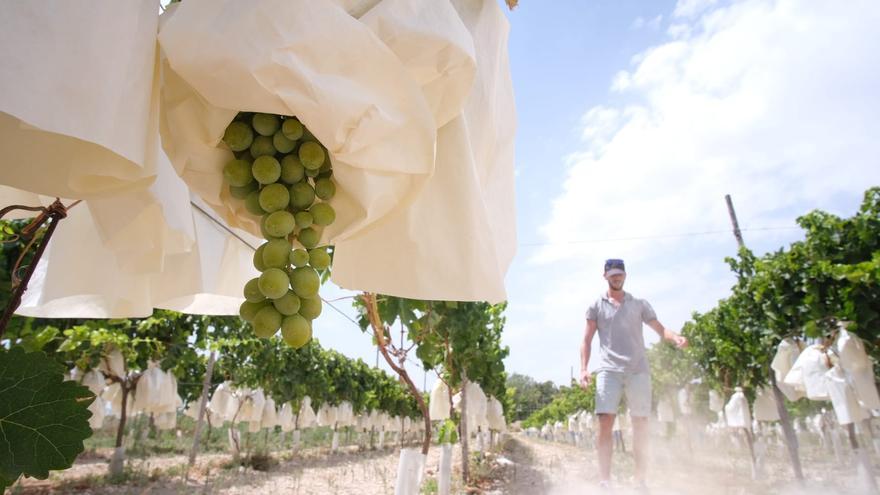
{"x": 54, "y": 212}
{"x": 379, "y": 330}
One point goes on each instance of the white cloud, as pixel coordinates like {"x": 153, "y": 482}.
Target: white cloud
{"x": 774, "y": 102}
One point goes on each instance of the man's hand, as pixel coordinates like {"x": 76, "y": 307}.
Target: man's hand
{"x": 586, "y": 379}
{"x": 680, "y": 341}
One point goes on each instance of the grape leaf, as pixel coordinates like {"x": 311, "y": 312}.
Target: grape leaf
{"x": 43, "y": 419}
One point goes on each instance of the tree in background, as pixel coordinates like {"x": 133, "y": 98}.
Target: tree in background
{"x": 527, "y": 396}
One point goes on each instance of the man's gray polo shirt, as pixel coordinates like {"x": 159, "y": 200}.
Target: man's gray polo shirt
{"x": 621, "y": 343}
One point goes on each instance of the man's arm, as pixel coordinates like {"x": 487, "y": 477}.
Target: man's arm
{"x": 667, "y": 334}
{"x": 586, "y": 347}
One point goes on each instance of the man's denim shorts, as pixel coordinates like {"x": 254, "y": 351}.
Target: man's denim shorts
{"x": 611, "y": 385}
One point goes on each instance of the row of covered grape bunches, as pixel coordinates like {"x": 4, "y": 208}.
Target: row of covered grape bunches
{"x": 283, "y": 175}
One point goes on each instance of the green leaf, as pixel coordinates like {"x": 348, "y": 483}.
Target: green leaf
{"x": 43, "y": 419}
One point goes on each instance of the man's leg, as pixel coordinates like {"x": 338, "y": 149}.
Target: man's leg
{"x": 640, "y": 446}
{"x": 638, "y": 396}
{"x": 609, "y": 389}
{"x": 606, "y": 423}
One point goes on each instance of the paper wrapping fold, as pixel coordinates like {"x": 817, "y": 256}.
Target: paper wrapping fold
{"x": 383, "y": 92}
{"x": 79, "y": 105}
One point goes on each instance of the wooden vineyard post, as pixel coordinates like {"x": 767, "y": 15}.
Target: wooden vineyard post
{"x": 791, "y": 442}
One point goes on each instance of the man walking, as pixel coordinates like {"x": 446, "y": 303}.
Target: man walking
{"x": 623, "y": 366}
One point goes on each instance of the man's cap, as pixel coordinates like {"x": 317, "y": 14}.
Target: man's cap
{"x": 614, "y": 267}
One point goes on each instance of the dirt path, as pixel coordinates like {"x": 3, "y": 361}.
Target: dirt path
{"x": 525, "y": 466}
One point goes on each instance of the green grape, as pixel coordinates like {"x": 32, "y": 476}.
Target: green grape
{"x": 308, "y": 237}
{"x": 313, "y": 173}
{"x": 243, "y": 191}
{"x": 301, "y": 195}
{"x": 303, "y": 219}
{"x": 252, "y": 203}
{"x": 266, "y": 322}
{"x": 288, "y": 304}
{"x": 299, "y": 257}
{"x": 274, "y": 197}
{"x": 319, "y": 259}
{"x": 296, "y": 331}
{"x": 238, "y": 136}
{"x": 292, "y": 170}
{"x": 248, "y": 309}
{"x": 282, "y": 144}
{"x": 325, "y": 189}
{"x": 252, "y": 290}
{"x": 262, "y": 146}
{"x": 266, "y": 169}
{"x": 238, "y": 173}
{"x": 274, "y": 283}
{"x": 280, "y": 223}
{"x": 305, "y": 281}
{"x": 323, "y": 214}
{"x": 310, "y": 307}
{"x": 265, "y": 233}
{"x": 311, "y": 154}
{"x": 292, "y": 128}
{"x": 266, "y": 124}
{"x": 276, "y": 253}
{"x": 259, "y": 264}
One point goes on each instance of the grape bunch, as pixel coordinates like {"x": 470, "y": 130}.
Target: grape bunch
{"x": 283, "y": 175}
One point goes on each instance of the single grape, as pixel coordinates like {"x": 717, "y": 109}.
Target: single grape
{"x": 304, "y": 281}
{"x": 274, "y": 283}
{"x": 238, "y": 173}
{"x": 325, "y": 189}
{"x": 243, "y": 191}
{"x": 280, "y": 223}
{"x": 312, "y": 173}
{"x": 311, "y": 154}
{"x": 262, "y": 146}
{"x": 259, "y": 264}
{"x": 265, "y": 233}
{"x": 248, "y": 309}
{"x": 266, "y": 124}
{"x": 288, "y": 304}
{"x": 266, "y": 322}
{"x": 252, "y": 203}
{"x": 308, "y": 237}
{"x": 319, "y": 259}
{"x": 274, "y": 197}
{"x": 296, "y": 331}
{"x": 292, "y": 170}
{"x": 282, "y": 144}
{"x": 299, "y": 257}
{"x": 303, "y": 219}
{"x": 310, "y": 307}
{"x": 276, "y": 253}
{"x": 238, "y": 136}
{"x": 252, "y": 290}
{"x": 266, "y": 169}
{"x": 323, "y": 214}
{"x": 292, "y": 128}
{"x": 301, "y": 195}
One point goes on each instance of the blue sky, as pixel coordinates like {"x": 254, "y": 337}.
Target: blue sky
{"x": 635, "y": 118}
